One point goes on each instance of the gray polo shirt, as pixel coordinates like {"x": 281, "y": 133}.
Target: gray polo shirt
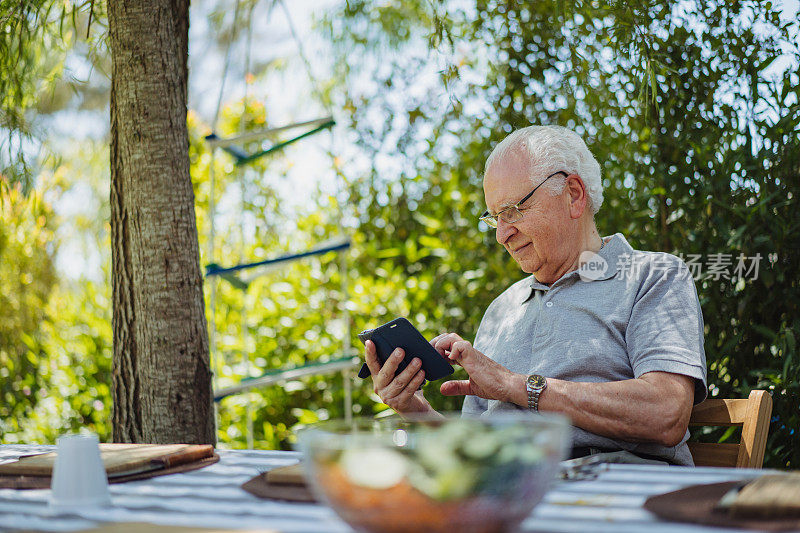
{"x": 640, "y": 314}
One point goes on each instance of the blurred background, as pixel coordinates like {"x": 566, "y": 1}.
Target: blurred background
{"x": 692, "y": 109}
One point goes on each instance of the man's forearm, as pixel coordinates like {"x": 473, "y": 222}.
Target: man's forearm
{"x": 653, "y": 408}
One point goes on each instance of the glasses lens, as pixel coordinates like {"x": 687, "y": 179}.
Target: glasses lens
{"x": 510, "y": 215}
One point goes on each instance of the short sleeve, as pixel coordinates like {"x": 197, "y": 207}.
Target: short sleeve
{"x": 665, "y": 331}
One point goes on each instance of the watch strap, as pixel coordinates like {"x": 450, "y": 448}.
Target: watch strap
{"x": 535, "y": 384}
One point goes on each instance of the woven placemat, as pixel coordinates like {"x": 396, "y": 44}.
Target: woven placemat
{"x": 261, "y": 487}
{"x": 697, "y": 505}
{"x": 43, "y": 482}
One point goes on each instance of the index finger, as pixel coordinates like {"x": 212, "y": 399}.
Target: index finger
{"x": 436, "y": 339}
{"x": 445, "y": 342}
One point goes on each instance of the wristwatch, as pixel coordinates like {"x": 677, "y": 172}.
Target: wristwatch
{"x": 535, "y": 384}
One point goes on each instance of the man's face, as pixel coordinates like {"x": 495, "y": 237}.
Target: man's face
{"x": 541, "y": 241}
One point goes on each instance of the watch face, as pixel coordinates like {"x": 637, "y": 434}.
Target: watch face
{"x": 536, "y": 381}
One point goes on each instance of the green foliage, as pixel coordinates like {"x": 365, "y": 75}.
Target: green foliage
{"x": 27, "y": 277}
{"x": 56, "y": 340}
{"x": 696, "y": 133}
{"x": 35, "y": 39}
{"x": 75, "y": 366}
{"x": 286, "y": 316}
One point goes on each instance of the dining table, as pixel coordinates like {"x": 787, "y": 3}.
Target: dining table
{"x": 609, "y": 497}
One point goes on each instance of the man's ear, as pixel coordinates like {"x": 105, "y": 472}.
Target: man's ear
{"x": 577, "y": 196}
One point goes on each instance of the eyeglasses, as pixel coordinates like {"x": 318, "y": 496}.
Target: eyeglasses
{"x": 512, "y": 214}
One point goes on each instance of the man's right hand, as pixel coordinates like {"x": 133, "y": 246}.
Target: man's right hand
{"x": 398, "y": 392}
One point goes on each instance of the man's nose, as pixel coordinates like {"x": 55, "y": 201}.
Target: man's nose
{"x": 504, "y": 231}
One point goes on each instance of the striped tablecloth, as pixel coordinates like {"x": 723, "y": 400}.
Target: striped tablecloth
{"x": 212, "y": 498}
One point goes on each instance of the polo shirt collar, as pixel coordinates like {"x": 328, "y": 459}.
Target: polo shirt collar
{"x": 616, "y": 247}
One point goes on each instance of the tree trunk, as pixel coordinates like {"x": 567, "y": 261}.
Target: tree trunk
{"x": 161, "y": 374}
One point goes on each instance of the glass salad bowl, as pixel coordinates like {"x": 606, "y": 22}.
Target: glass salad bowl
{"x": 428, "y": 474}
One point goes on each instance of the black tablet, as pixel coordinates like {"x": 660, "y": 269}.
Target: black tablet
{"x": 400, "y": 333}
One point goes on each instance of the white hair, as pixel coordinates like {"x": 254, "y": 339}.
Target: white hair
{"x": 549, "y": 149}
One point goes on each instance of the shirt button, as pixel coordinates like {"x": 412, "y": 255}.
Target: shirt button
{"x": 549, "y": 304}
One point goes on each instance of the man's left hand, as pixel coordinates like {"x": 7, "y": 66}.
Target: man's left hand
{"x": 487, "y": 379}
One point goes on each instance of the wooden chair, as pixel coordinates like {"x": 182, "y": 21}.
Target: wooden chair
{"x": 752, "y": 414}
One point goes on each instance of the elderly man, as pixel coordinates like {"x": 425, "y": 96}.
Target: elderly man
{"x": 617, "y": 347}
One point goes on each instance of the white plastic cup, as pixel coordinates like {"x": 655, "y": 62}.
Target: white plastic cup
{"x": 79, "y": 478}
